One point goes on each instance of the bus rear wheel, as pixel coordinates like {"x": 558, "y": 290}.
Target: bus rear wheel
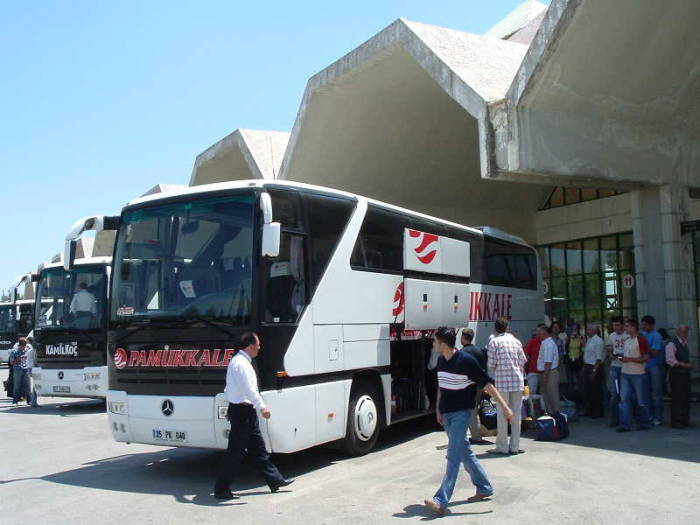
{"x": 363, "y": 420}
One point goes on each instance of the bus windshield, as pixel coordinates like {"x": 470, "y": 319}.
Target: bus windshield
{"x": 185, "y": 260}
{"x": 8, "y": 319}
{"x": 72, "y": 299}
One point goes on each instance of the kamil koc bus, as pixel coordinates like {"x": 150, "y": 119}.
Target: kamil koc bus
{"x": 342, "y": 290}
{"x": 70, "y": 332}
{"x": 17, "y": 315}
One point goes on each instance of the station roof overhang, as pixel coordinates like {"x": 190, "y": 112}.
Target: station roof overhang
{"x": 404, "y": 118}
{"x": 608, "y": 91}
{"x": 241, "y": 155}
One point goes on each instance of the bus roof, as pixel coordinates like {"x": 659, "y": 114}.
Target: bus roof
{"x": 81, "y": 262}
{"x": 221, "y": 186}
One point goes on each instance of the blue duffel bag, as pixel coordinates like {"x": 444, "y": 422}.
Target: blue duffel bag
{"x": 552, "y": 428}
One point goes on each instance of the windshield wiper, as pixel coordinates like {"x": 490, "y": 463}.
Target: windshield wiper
{"x": 209, "y": 322}
{"x": 141, "y": 324}
{"x": 68, "y": 331}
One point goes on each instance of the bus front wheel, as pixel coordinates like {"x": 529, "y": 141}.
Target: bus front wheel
{"x": 363, "y": 420}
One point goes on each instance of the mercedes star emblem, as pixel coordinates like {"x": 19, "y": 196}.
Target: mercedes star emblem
{"x": 167, "y": 408}
{"x": 60, "y": 374}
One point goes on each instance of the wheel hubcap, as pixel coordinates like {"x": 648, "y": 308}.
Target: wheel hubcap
{"x": 365, "y": 418}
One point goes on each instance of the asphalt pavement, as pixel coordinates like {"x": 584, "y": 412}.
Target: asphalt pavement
{"x": 61, "y": 466}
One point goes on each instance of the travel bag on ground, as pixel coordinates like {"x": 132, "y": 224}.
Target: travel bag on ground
{"x": 552, "y": 427}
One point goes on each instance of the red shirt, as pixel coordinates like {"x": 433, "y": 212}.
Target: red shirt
{"x": 532, "y": 352}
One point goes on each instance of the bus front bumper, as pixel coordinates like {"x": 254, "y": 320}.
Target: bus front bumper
{"x": 175, "y": 421}
{"x": 81, "y": 382}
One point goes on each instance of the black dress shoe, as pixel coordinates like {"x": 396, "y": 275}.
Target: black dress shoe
{"x": 225, "y": 495}
{"x": 283, "y": 483}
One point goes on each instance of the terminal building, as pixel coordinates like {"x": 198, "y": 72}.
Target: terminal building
{"x": 575, "y": 126}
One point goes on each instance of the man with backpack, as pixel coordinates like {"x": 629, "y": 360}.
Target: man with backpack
{"x": 474, "y": 427}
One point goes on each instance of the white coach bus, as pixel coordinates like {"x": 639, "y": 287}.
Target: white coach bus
{"x": 342, "y": 290}
{"x": 70, "y": 332}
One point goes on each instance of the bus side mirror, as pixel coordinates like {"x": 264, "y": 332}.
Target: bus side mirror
{"x": 271, "y": 239}
{"x": 69, "y": 254}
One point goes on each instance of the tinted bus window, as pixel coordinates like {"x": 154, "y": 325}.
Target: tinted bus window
{"x": 286, "y": 208}
{"x": 328, "y": 217}
{"x": 380, "y": 243}
{"x": 509, "y": 264}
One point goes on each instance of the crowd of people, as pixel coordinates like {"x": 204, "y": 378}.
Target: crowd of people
{"x": 642, "y": 365}
{"x": 638, "y": 361}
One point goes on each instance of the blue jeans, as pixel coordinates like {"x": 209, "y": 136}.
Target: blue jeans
{"x": 629, "y": 384}
{"x": 21, "y": 384}
{"x": 459, "y": 451}
{"x": 656, "y": 377}
{"x": 614, "y": 389}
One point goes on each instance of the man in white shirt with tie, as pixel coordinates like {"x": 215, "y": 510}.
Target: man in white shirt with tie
{"x": 244, "y": 398}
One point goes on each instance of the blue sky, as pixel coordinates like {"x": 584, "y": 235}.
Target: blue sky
{"x": 102, "y": 100}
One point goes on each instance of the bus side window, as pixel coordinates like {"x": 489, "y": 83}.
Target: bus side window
{"x": 509, "y": 264}
{"x": 286, "y": 285}
{"x": 286, "y": 208}
{"x": 328, "y": 217}
{"x": 379, "y": 245}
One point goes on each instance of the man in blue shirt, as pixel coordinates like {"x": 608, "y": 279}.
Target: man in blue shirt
{"x": 459, "y": 376}
{"x": 656, "y": 371}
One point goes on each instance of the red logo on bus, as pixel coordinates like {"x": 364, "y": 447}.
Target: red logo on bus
{"x": 120, "y": 358}
{"x": 425, "y": 252}
{"x": 398, "y": 300}
{"x": 173, "y": 358}
{"x": 485, "y": 306}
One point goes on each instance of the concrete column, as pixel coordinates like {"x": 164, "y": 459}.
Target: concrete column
{"x": 646, "y": 229}
{"x": 664, "y": 258}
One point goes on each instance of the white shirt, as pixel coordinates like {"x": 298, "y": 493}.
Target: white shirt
{"x": 549, "y": 353}
{"x": 434, "y": 356}
{"x": 617, "y": 342}
{"x": 594, "y": 350}
{"x": 83, "y": 301}
{"x": 241, "y": 381}
{"x": 29, "y": 356}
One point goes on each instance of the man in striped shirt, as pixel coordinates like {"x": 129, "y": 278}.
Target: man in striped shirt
{"x": 459, "y": 376}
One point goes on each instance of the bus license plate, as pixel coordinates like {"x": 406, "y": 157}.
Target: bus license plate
{"x": 169, "y": 436}
{"x": 63, "y": 389}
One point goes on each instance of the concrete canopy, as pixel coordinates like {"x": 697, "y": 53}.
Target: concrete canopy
{"x": 608, "y": 90}
{"x": 244, "y": 154}
{"x": 403, "y": 118}
{"x": 517, "y": 19}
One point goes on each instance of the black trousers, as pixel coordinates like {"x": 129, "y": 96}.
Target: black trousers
{"x": 245, "y": 436}
{"x": 592, "y": 390}
{"x": 680, "y": 396}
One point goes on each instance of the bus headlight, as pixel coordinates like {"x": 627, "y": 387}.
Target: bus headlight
{"x": 223, "y": 412}
{"x": 117, "y": 407}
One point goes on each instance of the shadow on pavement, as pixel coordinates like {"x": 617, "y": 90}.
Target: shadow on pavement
{"x": 188, "y": 474}
{"x": 659, "y": 442}
{"x": 421, "y": 511}
{"x": 67, "y": 408}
